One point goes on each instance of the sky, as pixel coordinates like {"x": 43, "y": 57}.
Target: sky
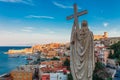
{"x": 30, "y": 22}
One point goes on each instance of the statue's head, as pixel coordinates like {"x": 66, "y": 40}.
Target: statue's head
{"x": 84, "y": 26}
{"x": 84, "y": 23}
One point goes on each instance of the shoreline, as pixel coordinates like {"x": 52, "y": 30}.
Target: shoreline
{"x": 9, "y": 64}
{"x": 4, "y": 74}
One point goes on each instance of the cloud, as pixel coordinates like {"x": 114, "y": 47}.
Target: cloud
{"x": 45, "y": 17}
{"x": 105, "y": 24}
{"x": 49, "y": 31}
{"x": 63, "y": 6}
{"x": 19, "y": 1}
{"x": 5, "y": 32}
{"x": 27, "y": 29}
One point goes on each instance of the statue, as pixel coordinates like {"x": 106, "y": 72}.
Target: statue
{"x": 82, "y": 49}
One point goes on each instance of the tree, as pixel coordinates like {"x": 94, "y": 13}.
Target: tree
{"x": 55, "y": 58}
{"x": 67, "y": 64}
{"x": 111, "y": 56}
{"x": 70, "y": 77}
{"x": 116, "y": 48}
{"x": 100, "y": 72}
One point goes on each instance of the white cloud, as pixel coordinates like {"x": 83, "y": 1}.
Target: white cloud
{"x": 27, "y": 29}
{"x": 105, "y": 24}
{"x": 45, "y": 17}
{"x": 49, "y": 31}
{"x": 5, "y": 32}
{"x": 19, "y": 1}
{"x": 63, "y": 6}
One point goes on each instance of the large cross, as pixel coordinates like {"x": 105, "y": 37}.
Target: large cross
{"x": 76, "y": 15}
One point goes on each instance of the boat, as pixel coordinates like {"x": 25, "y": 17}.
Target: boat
{"x": 29, "y": 58}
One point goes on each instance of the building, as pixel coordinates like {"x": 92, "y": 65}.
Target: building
{"x": 101, "y": 52}
{"x": 25, "y": 72}
{"x": 113, "y": 40}
{"x": 98, "y": 37}
{"x": 45, "y": 76}
{"x": 106, "y": 40}
{"x": 63, "y": 59}
{"x": 21, "y": 75}
{"x": 58, "y": 76}
{"x": 54, "y": 76}
{"x": 110, "y": 40}
{"x": 51, "y": 54}
{"x": 52, "y": 63}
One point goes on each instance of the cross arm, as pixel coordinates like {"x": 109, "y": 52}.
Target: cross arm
{"x": 78, "y": 14}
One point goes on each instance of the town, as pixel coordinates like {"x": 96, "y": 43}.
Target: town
{"x": 52, "y": 61}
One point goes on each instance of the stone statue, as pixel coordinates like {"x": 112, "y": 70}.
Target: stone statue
{"x": 82, "y": 53}
{"x": 82, "y": 49}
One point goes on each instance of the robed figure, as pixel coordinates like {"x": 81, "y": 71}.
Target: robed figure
{"x": 82, "y": 48}
{"x": 82, "y": 52}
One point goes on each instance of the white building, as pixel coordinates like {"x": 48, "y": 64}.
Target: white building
{"x": 101, "y": 52}
{"x": 58, "y": 76}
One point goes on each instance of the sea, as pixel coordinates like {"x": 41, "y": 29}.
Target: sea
{"x": 8, "y": 64}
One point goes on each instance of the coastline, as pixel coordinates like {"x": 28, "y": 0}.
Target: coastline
{"x": 9, "y": 64}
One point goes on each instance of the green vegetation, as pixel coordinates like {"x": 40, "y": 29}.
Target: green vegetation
{"x": 55, "y": 58}
{"x": 109, "y": 78}
{"x": 98, "y": 66}
{"x": 116, "y": 48}
{"x": 67, "y": 64}
{"x": 116, "y": 54}
{"x": 100, "y": 73}
{"x": 70, "y": 77}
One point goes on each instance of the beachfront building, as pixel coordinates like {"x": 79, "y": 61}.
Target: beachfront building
{"x": 21, "y": 75}
{"x": 26, "y": 72}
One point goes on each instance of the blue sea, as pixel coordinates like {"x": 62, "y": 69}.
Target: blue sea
{"x": 8, "y": 64}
